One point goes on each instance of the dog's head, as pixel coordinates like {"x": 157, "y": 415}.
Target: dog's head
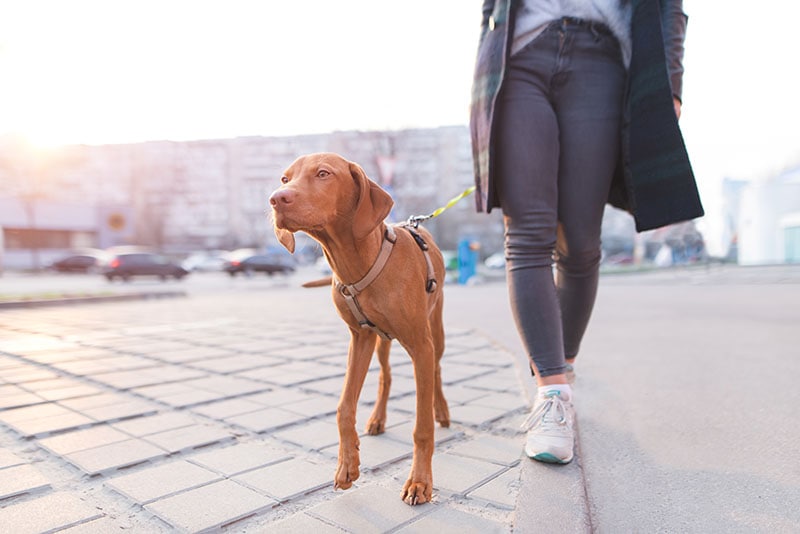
{"x": 325, "y": 192}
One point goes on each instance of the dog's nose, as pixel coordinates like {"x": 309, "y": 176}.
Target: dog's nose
{"x": 281, "y": 196}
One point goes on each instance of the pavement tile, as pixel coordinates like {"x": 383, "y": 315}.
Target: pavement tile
{"x": 476, "y": 415}
{"x": 376, "y": 451}
{"x": 209, "y": 507}
{"x": 161, "y": 390}
{"x": 122, "y": 410}
{"x": 189, "y": 437}
{"x": 27, "y": 374}
{"x": 369, "y": 509}
{"x": 501, "y": 491}
{"x": 145, "y": 377}
{"x": 496, "y": 449}
{"x": 71, "y": 392}
{"x": 20, "y": 479}
{"x": 9, "y": 459}
{"x": 32, "y": 412}
{"x": 82, "y": 353}
{"x": 227, "y": 408}
{"x": 102, "y": 525}
{"x": 453, "y": 372}
{"x": 189, "y": 354}
{"x": 229, "y": 385}
{"x": 281, "y": 396}
{"x": 48, "y": 513}
{"x": 456, "y": 474}
{"x": 318, "y": 405}
{"x": 510, "y": 402}
{"x": 31, "y": 343}
{"x": 327, "y": 386}
{"x": 83, "y": 439}
{"x": 95, "y": 401}
{"x": 54, "y": 423}
{"x": 236, "y": 364}
{"x": 504, "y": 379}
{"x": 460, "y": 394}
{"x": 289, "y": 479}
{"x": 191, "y": 398}
{"x": 312, "y": 436}
{"x": 306, "y": 352}
{"x": 301, "y": 522}
{"x": 87, "y": 367}
{"x": 19, "y": 400}
{"x": 41, "y": 386}
{"x": 403, "y": 433}
{"x": 161, "y": 481}
{"x": 142, "y": 426}
{"x": 281, "y": 376}
{"x": 468, "y": 341}
{"x": 266, "y": 419}
{"x": 240, "y": 457}
{"x": 451, "y": 520}
{"x": 114, "y": 456}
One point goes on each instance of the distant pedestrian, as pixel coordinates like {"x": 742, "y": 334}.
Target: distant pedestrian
{"x": 575, "y": 103}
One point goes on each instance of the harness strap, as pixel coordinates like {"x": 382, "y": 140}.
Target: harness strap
{"x": 430, "y": 283}
{"x": 350, "y": 291}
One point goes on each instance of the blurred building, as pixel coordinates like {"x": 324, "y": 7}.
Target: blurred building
{"x": 213, "y": 194}
{"x": 768, "y": 219}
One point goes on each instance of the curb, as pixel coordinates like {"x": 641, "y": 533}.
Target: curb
{"x": 67, "y": 301}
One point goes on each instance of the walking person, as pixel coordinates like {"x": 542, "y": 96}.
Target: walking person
{"x": 575, "y": 104}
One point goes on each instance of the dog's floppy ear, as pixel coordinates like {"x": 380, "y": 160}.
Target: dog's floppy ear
{"x": 374, "y": 204}
{"x": 285, "y": 237}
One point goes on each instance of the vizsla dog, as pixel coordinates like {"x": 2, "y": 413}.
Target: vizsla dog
{"x": 387, "y": 285}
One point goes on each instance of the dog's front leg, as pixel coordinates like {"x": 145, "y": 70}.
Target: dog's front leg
{"x": 418, "y": 488}
{"x": 361, "y": 345}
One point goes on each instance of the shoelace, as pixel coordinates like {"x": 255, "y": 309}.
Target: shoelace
{"x": 552, "y": 404}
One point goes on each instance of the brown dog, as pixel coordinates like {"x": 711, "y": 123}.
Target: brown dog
{"x": 382, "y": 290}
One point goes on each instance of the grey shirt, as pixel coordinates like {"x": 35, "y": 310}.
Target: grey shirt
{"x": 533, "y": 16}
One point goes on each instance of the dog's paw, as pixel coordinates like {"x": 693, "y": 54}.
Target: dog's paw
{"x": 376, "y": 426}
{"x": 346, "y": 474}
{"x": 442, "y": 414}
{"x": 415, "y": 492}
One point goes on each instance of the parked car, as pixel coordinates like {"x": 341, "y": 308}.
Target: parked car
{"x": 249, "y": 262}
{"x": 125, "y": 266}
{"x": 211, "y": 260}
{"x": 496, "y": 261}
{"x": 81, "y": 262}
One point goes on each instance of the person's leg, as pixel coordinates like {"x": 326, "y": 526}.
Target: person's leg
{"x": 527, "y": 153}
{"x": 589, "y": 108}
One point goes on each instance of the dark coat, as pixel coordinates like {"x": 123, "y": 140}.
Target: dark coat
{"x": 654, "y": 179}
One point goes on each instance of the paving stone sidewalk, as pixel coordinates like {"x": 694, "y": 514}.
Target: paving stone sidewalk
{"x": 213, "y": 413}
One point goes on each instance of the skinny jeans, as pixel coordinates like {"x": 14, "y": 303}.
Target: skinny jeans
{"x": 557, "y": 130}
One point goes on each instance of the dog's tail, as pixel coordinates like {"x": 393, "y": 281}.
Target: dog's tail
{"x": 322, "y": 282}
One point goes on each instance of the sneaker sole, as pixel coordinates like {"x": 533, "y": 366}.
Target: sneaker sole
{"x": 548, "y": 458}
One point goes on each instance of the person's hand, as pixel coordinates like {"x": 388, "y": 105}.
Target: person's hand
{"x": 677, "y": 104}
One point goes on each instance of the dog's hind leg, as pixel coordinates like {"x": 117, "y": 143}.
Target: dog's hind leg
{"x": 440, "y": 409}
{"x": 377, "y": 421}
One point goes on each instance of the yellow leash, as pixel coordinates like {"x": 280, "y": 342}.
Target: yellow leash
{"x": 414, "y": 220}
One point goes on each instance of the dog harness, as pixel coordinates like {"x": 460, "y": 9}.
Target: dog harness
{"x": 350, "y": 291}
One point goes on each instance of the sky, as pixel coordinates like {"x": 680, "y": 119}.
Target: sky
{"x": 100, "y": 72}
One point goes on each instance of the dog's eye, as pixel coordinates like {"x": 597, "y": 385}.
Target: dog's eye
{"x": 284, "y": 179}
{"x": 323, "y": 173}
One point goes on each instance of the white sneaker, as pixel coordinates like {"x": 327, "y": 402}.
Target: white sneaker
{"x": 550, "y": 435}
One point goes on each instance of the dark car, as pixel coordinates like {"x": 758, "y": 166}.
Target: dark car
{"x": 143, "y": 264}
{"x": 249, "y": 263}
{"x": 80, "y": 263}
